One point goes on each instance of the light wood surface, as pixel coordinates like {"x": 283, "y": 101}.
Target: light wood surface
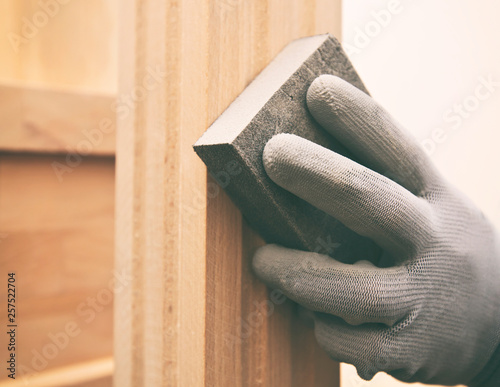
{"x": 58, "y": 239}
{"x": 51, "y": 121}
{"x": 60, "y": 44}
{"x": 184, "y": 319}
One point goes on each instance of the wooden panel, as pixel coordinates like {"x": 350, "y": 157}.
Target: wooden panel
{"x": 58, "y": 238}
{"x": 194, "y": 314}
{"x": 60, "y": 44}
{"x": 45, "y": 120}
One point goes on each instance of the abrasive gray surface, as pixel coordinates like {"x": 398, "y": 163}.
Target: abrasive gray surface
{"x": 279, "y": 216}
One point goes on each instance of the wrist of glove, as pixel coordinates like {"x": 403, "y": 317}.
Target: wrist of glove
{"x": 433, "y": 315}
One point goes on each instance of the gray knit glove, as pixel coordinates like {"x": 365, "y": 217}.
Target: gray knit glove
{"x": 433, "y": 316}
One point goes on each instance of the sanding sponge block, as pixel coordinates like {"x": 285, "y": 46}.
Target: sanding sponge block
{"x": 275, "y": 102}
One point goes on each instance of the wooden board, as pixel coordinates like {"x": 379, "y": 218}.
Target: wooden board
{"x": 187, "y": 317}
{"x": 57, "y": 236}
{"x": 50, "y": 121}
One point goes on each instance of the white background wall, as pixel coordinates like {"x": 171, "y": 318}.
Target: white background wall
{"x": 422, "y": 63}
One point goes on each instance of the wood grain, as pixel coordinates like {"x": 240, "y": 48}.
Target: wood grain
{"x": 50, "y": 121}
{"x": 58, "y": 239}
{"x": 194, "y": 314}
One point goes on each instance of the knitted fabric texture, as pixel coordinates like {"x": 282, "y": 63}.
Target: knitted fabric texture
{"x": 430, "y": 311}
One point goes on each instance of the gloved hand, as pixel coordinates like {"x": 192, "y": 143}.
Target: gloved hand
{"x": 434, "y": 315}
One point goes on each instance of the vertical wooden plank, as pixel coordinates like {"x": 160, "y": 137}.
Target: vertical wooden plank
{"x": 195, "y": 314}
{"x": 125, "y": 320}
{"x": 161, "y": 189}
{"x": 194, "y": 92}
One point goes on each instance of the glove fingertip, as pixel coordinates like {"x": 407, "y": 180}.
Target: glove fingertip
{"x": 262, "y": 262}
{"x": 321, "y": 93}
{"x": 278, "y": 155}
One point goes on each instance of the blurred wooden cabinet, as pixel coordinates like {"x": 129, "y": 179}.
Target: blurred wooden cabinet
{"x": 187, "y": 309}
{"x": 58, "y": 83}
